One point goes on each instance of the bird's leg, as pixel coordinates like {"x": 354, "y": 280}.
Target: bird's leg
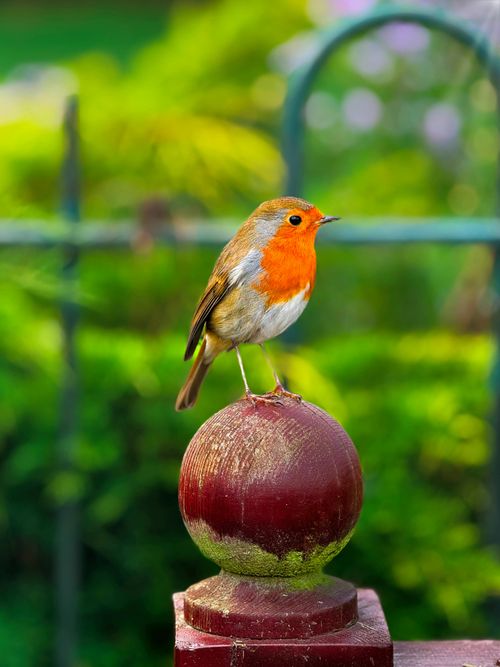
{"x": 279, "y": 389}
{"x": 270, "y": 364}
{"x": 254, "y": 398}
{"x": 242, "y": 369}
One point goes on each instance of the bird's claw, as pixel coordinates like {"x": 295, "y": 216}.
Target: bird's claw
{"x": 279, "y": 390}
{"x": 263, "y": 399}
{"x": 272, "y": 398}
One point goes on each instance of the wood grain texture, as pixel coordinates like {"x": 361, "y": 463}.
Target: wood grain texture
{"x": 283, "y": 480}
{"x": 365, "y": 644}
{"x": 465, "y": 653}
{"x": 267, "y": 607}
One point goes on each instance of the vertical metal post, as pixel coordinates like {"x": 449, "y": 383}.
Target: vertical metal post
{"x": 493, "y": 516}
{"x": 493, "y": 527}
{"x": 67, "y": 556}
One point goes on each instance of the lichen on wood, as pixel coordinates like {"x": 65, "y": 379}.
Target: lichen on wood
{"x": 243, "y": 557}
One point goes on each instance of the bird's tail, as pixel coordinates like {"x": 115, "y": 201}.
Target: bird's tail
{"x": 189, "y": 392}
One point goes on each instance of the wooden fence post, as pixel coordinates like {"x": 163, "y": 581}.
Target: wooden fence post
{"x": 271, "y": 493}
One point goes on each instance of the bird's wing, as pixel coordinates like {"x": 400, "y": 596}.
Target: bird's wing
{"x": 217, "y": 289}
{"x": 235, "y": 266}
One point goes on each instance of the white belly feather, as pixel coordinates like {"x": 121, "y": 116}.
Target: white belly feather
{"x": 280, "y": 316}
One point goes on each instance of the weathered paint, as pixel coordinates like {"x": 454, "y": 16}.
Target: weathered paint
{"x": 271, "y": 607}
{"x": 271, "y": 489}
{"x": 364, "y": 644}
{"x": 271, "y": 492}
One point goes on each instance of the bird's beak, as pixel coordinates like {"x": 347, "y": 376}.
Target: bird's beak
{"x": 328, "y": 218}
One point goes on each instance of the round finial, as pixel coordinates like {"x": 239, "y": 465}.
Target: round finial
{"x": 271, "y": 490}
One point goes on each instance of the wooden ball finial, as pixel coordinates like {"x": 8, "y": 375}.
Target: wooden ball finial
{"x": 271, "y": 493}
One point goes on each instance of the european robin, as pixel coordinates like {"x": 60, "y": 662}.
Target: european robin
{"x": 259, "y": 286}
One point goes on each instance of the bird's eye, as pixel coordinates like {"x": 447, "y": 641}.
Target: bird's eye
{"x": 295, "y": 219}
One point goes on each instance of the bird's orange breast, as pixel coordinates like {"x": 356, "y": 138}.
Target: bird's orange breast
{"x": 288, "y": 267}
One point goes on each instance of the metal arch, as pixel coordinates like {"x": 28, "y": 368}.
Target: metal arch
{"x": 330, "y": 40}
{"x": 292, "y": 148}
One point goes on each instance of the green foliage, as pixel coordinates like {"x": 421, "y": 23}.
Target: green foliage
{"x": 414, "y": 405}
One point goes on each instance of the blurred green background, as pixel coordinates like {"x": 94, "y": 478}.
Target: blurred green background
{"x": 182, "y": 101}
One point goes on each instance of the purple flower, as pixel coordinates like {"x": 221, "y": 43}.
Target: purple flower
{"x": 361, "y": 109}
{"x": 405, "y": 38}
{"x": 442, "y": 124}
{"x": 370, "y": 58}
{"x": 350, "y": 7}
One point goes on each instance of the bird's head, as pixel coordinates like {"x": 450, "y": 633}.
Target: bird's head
{"x": 288, "y": 218}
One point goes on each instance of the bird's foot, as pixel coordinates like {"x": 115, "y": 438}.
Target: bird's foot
{"x": 279, "y": 390}
{"x": 263, "y": 399}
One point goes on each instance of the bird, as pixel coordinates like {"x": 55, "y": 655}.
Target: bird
{"x": 259, "y": 286}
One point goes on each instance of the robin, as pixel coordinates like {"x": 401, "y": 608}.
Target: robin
{"x": 259, "y": 286}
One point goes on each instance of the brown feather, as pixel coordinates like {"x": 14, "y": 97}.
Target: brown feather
{"x": 218, "y": 284}
{"x": 189, "y": 392}
{"x": 216, "y": 290}
{"x": 210, "y": 348}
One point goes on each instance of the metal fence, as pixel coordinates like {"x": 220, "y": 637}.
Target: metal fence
{"x": 470, "y": 230}
{"x": 73, "y": 238}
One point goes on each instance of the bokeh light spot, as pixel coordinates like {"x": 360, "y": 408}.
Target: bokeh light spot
{"x": 320, "y": 111}
{"x": 371, "y": 59}
{"x": 463, "y": 199}
{"x": 405, "y": 38}
{"x": 268, "y": 91}
{"x": 361, "y": 109}
{"x": 482, "y": 96}
{"x": 442, "y": 123}
{"x": 484, "y": 144}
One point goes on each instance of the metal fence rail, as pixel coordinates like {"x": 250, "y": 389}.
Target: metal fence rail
{"x": 71, "y": 238}
{"x": 360, "y": 231}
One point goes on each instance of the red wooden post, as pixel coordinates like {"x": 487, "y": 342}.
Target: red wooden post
{"x": 271, "y": 493}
